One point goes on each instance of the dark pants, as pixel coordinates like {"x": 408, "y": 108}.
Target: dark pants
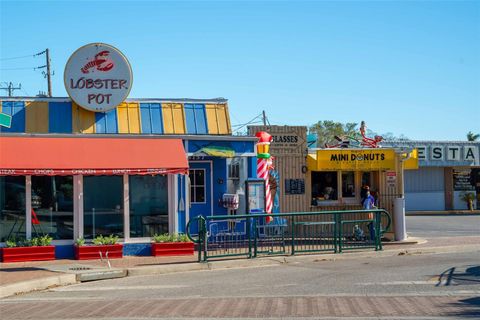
{"x": 371, "y": 230}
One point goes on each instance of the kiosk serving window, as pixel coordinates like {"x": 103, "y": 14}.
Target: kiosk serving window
{"x": 324, "y": 186}
{"x": 348, "y": 184}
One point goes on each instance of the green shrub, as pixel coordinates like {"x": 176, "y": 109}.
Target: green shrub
{"x": 40, "y": 241}
{"x": 183, "y": 238}
{"x": 167, "y": 237}
{"x": 35, "y": 242}
{"x": 101, "y": 240}
{"x": 24, "y": 243}
{"x": 467, "y": 196}
{"x": 80, "y": 242}
{"x": 44, "y": 240}
{"x": 11, "y": 243}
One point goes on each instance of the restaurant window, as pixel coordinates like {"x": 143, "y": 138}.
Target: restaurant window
{"x": 197, "y": 185}
{"x": 324, "y": 186}
{"x": 103, "y": 206}
{"x": 148, "y": 205}
{"x": 348, "y": 184}
{"x": 12, "y": 207}
{"x": 52, "y": 206}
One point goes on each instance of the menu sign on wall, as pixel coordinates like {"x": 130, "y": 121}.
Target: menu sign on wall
{"x": 294, "y": 186}
{"x": 461, "y": 180}
{"x": 98, "y": 77}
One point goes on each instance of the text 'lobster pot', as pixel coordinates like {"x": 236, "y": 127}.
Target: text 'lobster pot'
{"x": 98, "y": 77}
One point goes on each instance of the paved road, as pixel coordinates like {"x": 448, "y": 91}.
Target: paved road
{"x": 443, "y": 226}
{"x": 409, "y": 286}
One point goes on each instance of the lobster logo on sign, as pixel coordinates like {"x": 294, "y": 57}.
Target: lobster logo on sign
{"x": 101, "y": 62}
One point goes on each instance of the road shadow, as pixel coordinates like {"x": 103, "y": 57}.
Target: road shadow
{"x": 470, "y": 308}
{"x": 451, "y": 276}
{"x": 21, "y": 269}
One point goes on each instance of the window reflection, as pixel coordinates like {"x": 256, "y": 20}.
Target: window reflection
{"x": 12, "y": 207}
{"x": 103, "y": 206}
{"x": 348, "y": 184}
{"x": 52, "y": 206}
{"x": 197, "y": 185}
{"x": 148, "y": 205}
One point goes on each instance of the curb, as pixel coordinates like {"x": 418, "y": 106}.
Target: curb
{"x": 37, "y": 284}
{"x": 101, "y": 275}
{"x": 278, "y": 260}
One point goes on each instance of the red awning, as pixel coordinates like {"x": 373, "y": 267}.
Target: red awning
{"x": 91, "y": 156}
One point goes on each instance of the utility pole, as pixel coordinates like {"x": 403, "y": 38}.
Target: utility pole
{"x": 48, "y": 73}
{"x": 10, "y": 88}
{"x": 264, "y": 118}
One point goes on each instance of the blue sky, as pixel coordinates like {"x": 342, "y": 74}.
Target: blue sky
{"x": 409, "y": 68}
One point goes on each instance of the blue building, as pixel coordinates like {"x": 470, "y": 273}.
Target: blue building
{"x": 145, "y": 167}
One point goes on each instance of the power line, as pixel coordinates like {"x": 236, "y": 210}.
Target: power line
{"x": 23, "y": 57}
{"x": 47, "y": 74}
{"x": 19, "y": 57}
{"x": 23, "y": 68}
{"x": 257, "y": 119}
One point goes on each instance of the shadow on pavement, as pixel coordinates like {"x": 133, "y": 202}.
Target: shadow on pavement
{"x": 453, "y": 277}
{"x": 22, "y": 269}
{"x": 470, "y": 308}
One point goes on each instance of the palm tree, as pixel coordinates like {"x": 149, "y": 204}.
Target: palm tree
{"x": 472, "y": 137}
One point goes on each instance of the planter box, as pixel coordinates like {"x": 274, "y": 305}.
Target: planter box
{"x": 93, "y": 252}
{"x": 21, "y": 254}
{"x": 172, "y": 249}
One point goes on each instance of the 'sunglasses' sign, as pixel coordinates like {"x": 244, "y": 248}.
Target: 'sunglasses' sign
{"x": 98, "y": 77}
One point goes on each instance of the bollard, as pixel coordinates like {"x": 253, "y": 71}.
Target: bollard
{"x": 399, "y": 219}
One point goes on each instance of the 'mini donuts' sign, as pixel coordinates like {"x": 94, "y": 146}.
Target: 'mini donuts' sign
{"x": 98, "y": 77}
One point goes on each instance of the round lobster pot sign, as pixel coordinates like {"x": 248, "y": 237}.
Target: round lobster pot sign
{"x": 98, "y": 77}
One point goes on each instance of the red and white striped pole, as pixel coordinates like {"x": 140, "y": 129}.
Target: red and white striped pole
{"x": 264, "y": 162}
{"x": 263, "y": 167}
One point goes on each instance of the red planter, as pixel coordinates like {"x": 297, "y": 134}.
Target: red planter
{"x": 172, "y": 249}
{"x": 21, "y": 254}
{"x": 93, "y": 252}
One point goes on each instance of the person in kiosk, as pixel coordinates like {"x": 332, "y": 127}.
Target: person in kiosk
{"x": 369, "y": 203}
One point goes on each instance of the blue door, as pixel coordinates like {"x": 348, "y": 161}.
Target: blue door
{"x": 200, "y": 191}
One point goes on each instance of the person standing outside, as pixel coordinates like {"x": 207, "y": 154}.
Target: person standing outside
{"x": 369, "y": 203}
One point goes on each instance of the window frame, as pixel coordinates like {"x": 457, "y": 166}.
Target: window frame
{"x": 193, "y": 186}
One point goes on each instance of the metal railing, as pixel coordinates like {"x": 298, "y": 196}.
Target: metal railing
{"x": 289, "y": 233}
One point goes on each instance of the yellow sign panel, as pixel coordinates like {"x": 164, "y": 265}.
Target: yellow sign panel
{"x": 353, "y": 160}
{"x": 411, "y": 163}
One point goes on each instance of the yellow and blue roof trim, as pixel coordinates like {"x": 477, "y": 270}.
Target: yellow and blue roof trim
{"x": 134, "y": 116}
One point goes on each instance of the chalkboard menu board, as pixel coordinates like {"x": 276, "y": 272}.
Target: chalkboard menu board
{"x": 294, "y": 186}
{"x": 461, "y": 180}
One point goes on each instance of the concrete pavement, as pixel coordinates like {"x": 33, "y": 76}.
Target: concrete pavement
{"x": 24, "y": 277}
{"x": 418, "y": 286}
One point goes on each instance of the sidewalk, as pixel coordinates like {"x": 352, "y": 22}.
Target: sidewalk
{"x": 28, "y": 276}
{"x": 442, "y": 213}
